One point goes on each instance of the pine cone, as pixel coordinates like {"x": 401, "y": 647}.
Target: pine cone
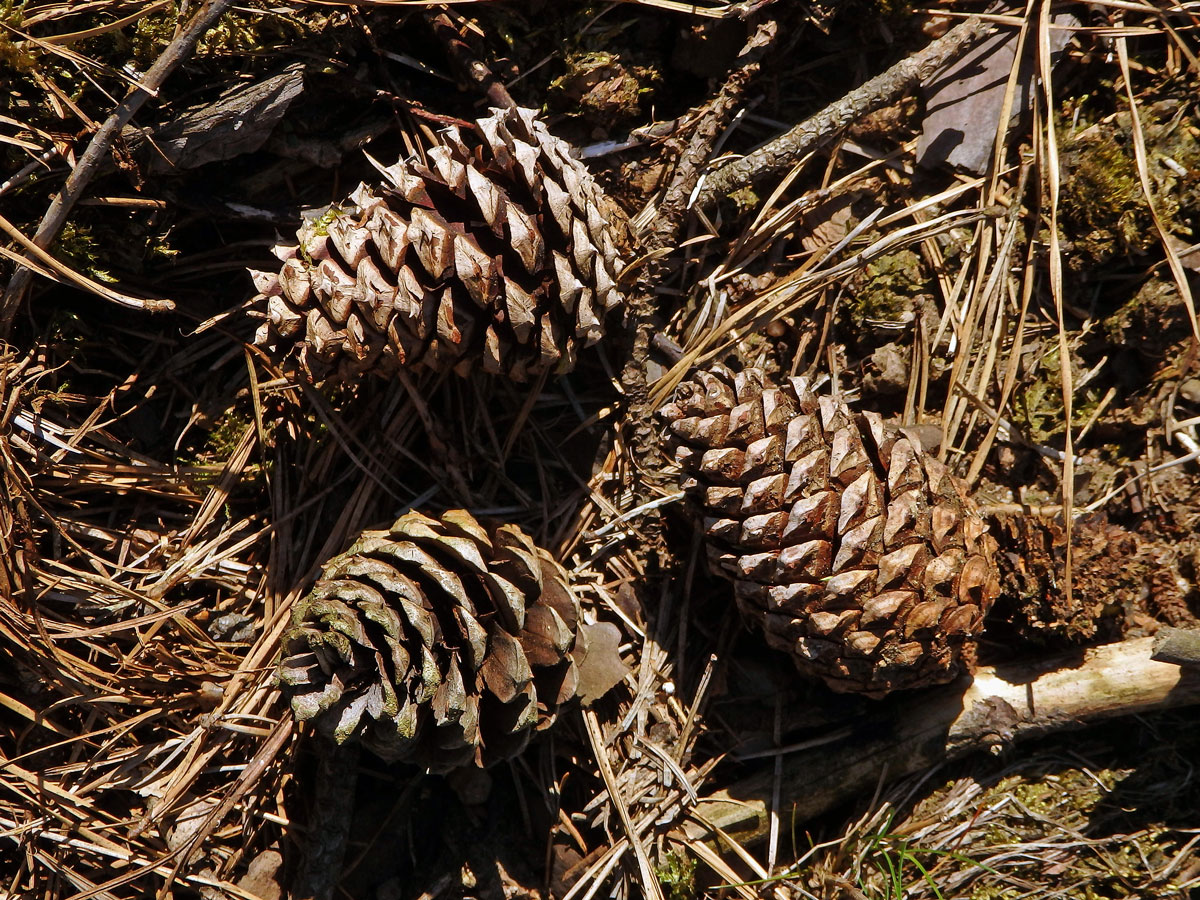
{"x": 500, "y": 252}
{"x": 852, "y": 549}
{"x": 439, "y": 640}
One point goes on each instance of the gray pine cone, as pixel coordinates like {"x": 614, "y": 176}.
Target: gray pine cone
{"x": 440, "y": 641}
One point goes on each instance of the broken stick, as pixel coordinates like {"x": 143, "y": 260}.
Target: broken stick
{"x": 995, "y": 708}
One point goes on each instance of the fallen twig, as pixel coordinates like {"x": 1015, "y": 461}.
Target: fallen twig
{"x": 998, "y": 706}
{"x": 466, "y": 62}
{"x": 647, "y": 878}
{"x": 687, "y": 170}
{"x": 821, "y": 129}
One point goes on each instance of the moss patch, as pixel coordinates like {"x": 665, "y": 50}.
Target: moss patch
{"x": 677, "y": 874}
{"x": 1103, "y": 205}
{"x": 892, "y": 287}
{"x": 602, "y": 88}
{"x": 1038, "y": 403}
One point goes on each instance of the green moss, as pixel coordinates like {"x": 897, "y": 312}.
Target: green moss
{"x": 1026, "y": 809}
{"x": 1068, "y": 796}
{"x": 239, "y": 32}
{"x": 225, "y": 436}
{"x": 994, "y": 892}
{"x": 677, "y": 874}
{"x": 320, "y": 225}
{"x": 1103, "y": 206}
{"x": 317, "y": 227}
{"x": 77, "y": 246}
{"x": 746, "y": 199}
{"x": 1038, "y": 404}
{"x": 894, "y": 8}
{"x": 1102, "y": 202}
{"x": 159, "y": 249}
{"x": 150, "y": 35}
{"x": 602, "y": 87}
{"x": 112, "y": 245}
{"x": 14, "y": 55}
{"x": 890, "y": 289}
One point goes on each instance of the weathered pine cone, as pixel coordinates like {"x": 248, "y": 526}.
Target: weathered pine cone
{"x": 851, "y": 548}
{"x": 500, "y": 252}
{"x": 1112, "y": 577}
{"x": 439, "y": 641}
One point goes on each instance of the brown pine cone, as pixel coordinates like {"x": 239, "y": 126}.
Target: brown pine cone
{"x": 441, "y": 641}
{"x": 852, "y": 549}
{"x": 500, "y": 252}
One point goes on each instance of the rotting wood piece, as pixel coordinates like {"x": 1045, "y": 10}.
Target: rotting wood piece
{"x": 998, "y": 706}
{"x": 239, "y": 121}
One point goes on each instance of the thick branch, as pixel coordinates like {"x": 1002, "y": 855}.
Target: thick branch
{"x": 995, "y": 708}
{"x": 823, "y": 128}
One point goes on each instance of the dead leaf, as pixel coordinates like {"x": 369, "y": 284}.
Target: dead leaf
{"x": 1189, "y": 254}
{"x": 601, "y": 668}
{"x": 260, "y": 878}
{"x": 830, "y": 221}
{"x": 189, "y": 821}
{"x": 963, "y": 100}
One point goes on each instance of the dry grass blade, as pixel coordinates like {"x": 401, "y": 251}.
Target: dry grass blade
{"x": 711, "y": 8}
{"x": 790, "y": 295}
{"x": 155, "y": 628}
{"x": 74, "y": 36}
{"x": 973, "y": 365}
{"x": 649, "y": 881}
{"x": 1048, "y": 134}
{"x": 1017, "y": 329}
{"x": 1139, "y": 146}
